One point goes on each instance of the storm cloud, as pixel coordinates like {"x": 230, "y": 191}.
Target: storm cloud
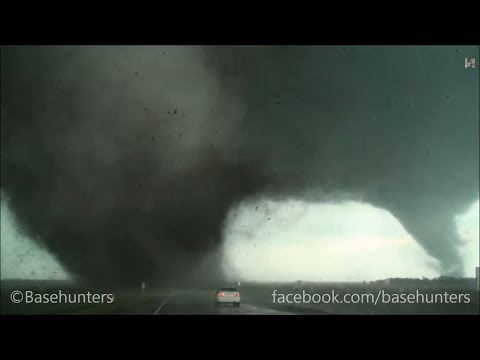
{"x": 124, "y": 161}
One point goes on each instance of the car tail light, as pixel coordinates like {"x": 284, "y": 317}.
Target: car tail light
{"x": 237, "y": 294}
{"x": 220, "y": 294}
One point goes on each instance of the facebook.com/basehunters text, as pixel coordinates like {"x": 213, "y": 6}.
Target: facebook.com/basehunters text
{"x": 376, "y": 298}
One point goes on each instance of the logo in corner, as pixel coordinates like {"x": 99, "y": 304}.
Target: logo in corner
{"x": 469, "y": 63}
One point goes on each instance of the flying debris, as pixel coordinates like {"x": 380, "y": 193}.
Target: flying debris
{"x": 346, "y": 122}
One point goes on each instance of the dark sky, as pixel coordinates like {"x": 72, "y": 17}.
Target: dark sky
{"x": 124, "y": 161}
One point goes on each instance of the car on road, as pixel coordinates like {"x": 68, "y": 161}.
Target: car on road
{"x": 227, "y": 296}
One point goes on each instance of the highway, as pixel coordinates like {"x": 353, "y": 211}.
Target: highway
{"x": 193, "y": 303}
{"x": 150, "y": 301}
{"x": 255, "y": 300}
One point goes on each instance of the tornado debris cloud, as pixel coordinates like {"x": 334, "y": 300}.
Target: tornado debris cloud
{"x": 124, "y": 161}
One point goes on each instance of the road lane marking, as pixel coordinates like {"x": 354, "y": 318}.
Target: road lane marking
{"x": 161, "y": 305}
{"x": 247, "y": 309}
